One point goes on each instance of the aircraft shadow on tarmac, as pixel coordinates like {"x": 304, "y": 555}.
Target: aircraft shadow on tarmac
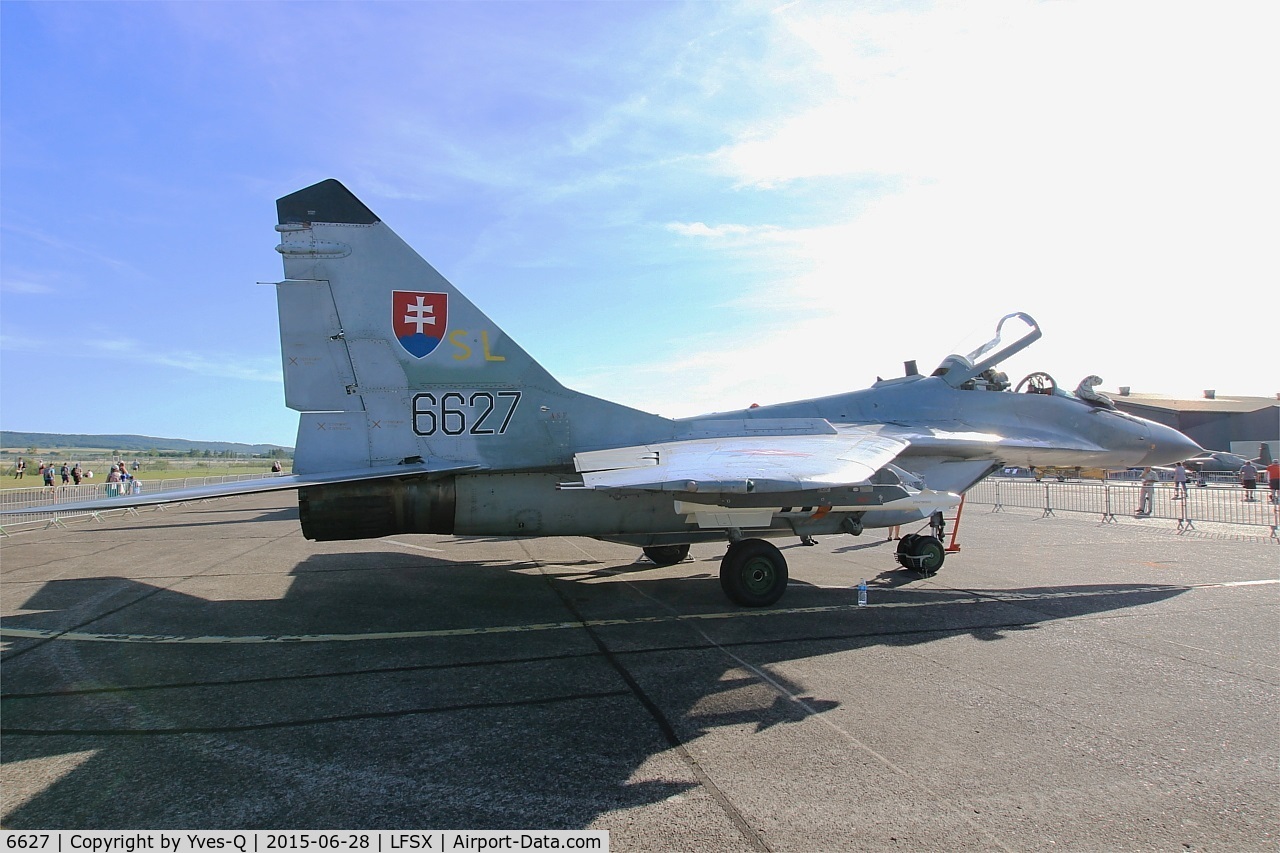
{"x": 507, "y": 694}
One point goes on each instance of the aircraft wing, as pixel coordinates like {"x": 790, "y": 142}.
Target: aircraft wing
{"x": 222, "y": 490}
{"x": 741, "y": 464}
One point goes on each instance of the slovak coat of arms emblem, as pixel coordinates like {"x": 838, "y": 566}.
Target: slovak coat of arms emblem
{"x": 419, "y": 320}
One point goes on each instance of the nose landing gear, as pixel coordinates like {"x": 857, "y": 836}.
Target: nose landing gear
{"x": 924, "y": 553}
{"x": 920, "y": 553}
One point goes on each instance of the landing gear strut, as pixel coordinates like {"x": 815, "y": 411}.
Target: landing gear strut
{"x": 753, "y": 573}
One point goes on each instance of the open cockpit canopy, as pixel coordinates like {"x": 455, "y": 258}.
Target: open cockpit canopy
{"x": 978, "y": 367}
{"x": 977, "y": 370}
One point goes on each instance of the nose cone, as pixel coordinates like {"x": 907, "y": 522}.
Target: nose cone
{"x": 1169, "y": 446}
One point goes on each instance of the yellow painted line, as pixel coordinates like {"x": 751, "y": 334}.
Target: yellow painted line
{"x": 975, "y": 597}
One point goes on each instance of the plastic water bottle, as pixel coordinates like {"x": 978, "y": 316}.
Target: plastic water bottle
{"x": 862, "y": 593}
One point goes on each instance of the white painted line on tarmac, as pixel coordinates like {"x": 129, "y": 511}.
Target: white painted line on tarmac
{"x": 961, "y": 597}
{"x": 415, "y": 547}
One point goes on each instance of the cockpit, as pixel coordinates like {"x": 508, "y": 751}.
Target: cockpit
{"x": 977, "y": 370}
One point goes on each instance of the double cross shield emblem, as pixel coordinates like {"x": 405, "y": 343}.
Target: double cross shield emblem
{"x": 419, "y": 320}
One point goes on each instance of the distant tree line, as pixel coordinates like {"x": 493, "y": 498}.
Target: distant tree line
{"x": 277, "y": 453}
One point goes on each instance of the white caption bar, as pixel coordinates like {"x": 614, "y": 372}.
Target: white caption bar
{"x": 312, "y": 840}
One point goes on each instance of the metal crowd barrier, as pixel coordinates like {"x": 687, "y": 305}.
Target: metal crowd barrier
{"x": 1215, "y": 504}
{"x": 1222, "y": 504}
{"x": 51, "y": 496}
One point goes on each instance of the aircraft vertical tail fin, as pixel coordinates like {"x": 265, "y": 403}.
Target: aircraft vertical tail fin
{"x": 388, "y": 362}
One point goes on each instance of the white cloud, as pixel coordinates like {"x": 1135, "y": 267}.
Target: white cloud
{"x": 1105, "y": 167}
{"x": 701, "y": 229}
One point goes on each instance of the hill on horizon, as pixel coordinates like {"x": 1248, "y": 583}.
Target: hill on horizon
{"x": 20, "y": 441}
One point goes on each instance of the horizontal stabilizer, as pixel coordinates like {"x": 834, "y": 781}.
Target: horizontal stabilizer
{"x": 742, "y": 464}
{"x": 243, "y": 487}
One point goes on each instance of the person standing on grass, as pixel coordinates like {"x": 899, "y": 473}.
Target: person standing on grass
{"x": 20, "y": 468}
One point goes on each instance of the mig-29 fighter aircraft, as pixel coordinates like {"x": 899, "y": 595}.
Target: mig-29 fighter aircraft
{"x": 419, "y": 415}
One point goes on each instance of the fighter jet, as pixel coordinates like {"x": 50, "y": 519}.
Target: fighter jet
{"x": 1220, "y": 461}
{"x": 418, "y": 414}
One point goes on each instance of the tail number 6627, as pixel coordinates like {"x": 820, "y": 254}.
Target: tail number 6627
{"x": 459, "y": 413}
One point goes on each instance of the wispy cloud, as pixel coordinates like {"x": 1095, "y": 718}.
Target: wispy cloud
{"x": 73, "y": 247}
{"x": 105, "y": 344}
{"x": 24, "y": 284}
{"x": 701, "y": 229}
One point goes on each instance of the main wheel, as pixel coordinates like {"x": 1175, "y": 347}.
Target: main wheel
{"x": 753, "y": 573}
{"x": 666, "y": 555}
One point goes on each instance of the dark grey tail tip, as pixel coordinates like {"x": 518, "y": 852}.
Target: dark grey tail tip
{"x": 327, "y": 201}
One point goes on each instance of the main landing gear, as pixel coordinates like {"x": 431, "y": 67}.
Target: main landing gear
{"x": 753, "y": 573}
{"x": 666, "y": 555}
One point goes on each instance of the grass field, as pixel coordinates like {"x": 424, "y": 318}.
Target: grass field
{"x": 151, "y": 469}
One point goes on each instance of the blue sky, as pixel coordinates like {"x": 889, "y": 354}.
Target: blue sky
{"x": 685, "y": 207}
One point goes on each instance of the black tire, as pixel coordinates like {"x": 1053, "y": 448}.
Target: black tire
{"x": 905, "y": 548}
{"x": 929, "y": 555}
{"x": 753, "y": 573}
{"x": 666, "y": 555}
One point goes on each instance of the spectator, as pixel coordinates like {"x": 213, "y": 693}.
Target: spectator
{"x": 20, "y": 469}
{"x": 1249, "y": 479}
{"x": 1273, "y": 479}
{"x": 66, "y": 474}
{"x": 1147, "y": 492}
{"x": 1179, "y": 481}
{"x": 76, "y": 473}
{"x": 47, "y": 472}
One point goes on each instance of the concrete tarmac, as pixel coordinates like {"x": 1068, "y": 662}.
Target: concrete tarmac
{"x": 1059, "y": 685}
